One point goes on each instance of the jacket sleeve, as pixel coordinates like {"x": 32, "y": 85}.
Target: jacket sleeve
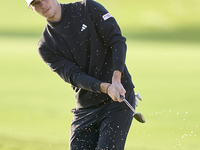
{"x": 109, "y": 32}
{"x": 68, "y": 70}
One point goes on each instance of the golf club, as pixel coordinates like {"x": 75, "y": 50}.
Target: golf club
{"x": 138, "y": 116}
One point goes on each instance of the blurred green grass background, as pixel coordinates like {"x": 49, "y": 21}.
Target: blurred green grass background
{"x": 163, "y": 39}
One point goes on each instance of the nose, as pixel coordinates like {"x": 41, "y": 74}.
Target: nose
{"x": 43, "y": 3}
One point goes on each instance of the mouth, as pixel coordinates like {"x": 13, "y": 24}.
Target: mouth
{"x": 46, "y": 10}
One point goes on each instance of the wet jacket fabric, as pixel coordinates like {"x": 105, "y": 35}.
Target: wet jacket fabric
{"x": 84, "y": 48}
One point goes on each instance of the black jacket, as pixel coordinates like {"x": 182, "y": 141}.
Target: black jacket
{"x": 84, "y": 48}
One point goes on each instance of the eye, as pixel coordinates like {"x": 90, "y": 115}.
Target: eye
{"x": 35, "y": 3}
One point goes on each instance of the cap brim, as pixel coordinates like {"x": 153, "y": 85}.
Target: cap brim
{"x": 29, "y": 2}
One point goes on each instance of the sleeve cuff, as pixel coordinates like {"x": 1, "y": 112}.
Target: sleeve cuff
{"x": 118, "y": 65}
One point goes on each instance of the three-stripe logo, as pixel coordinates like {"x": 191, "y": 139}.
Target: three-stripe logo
{"x": 83, "y": 27}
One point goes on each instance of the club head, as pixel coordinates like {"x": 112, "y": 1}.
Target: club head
{"x": 139, "y": 117}
{"x": 138, "y": 96}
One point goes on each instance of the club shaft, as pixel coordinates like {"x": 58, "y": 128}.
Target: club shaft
{"x": 129, "y": 105}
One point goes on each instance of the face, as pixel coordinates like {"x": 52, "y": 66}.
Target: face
{"x": 50, "y": 9}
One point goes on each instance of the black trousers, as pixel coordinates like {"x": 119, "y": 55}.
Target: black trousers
{"x": 103, "y": 127}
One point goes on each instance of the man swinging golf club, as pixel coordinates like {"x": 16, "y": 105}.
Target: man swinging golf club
{"x": 83, "y": 44}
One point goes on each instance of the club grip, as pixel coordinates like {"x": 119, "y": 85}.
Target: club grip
{"x": 122, "y": 97}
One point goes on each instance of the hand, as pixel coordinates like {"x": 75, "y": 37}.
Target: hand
{"x": 115, "y": 90}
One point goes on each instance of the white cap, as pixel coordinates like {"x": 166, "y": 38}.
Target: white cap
{"x": 29, "y": 2}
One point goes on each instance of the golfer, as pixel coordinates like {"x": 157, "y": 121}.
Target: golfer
{"x": 83, "y": 44}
